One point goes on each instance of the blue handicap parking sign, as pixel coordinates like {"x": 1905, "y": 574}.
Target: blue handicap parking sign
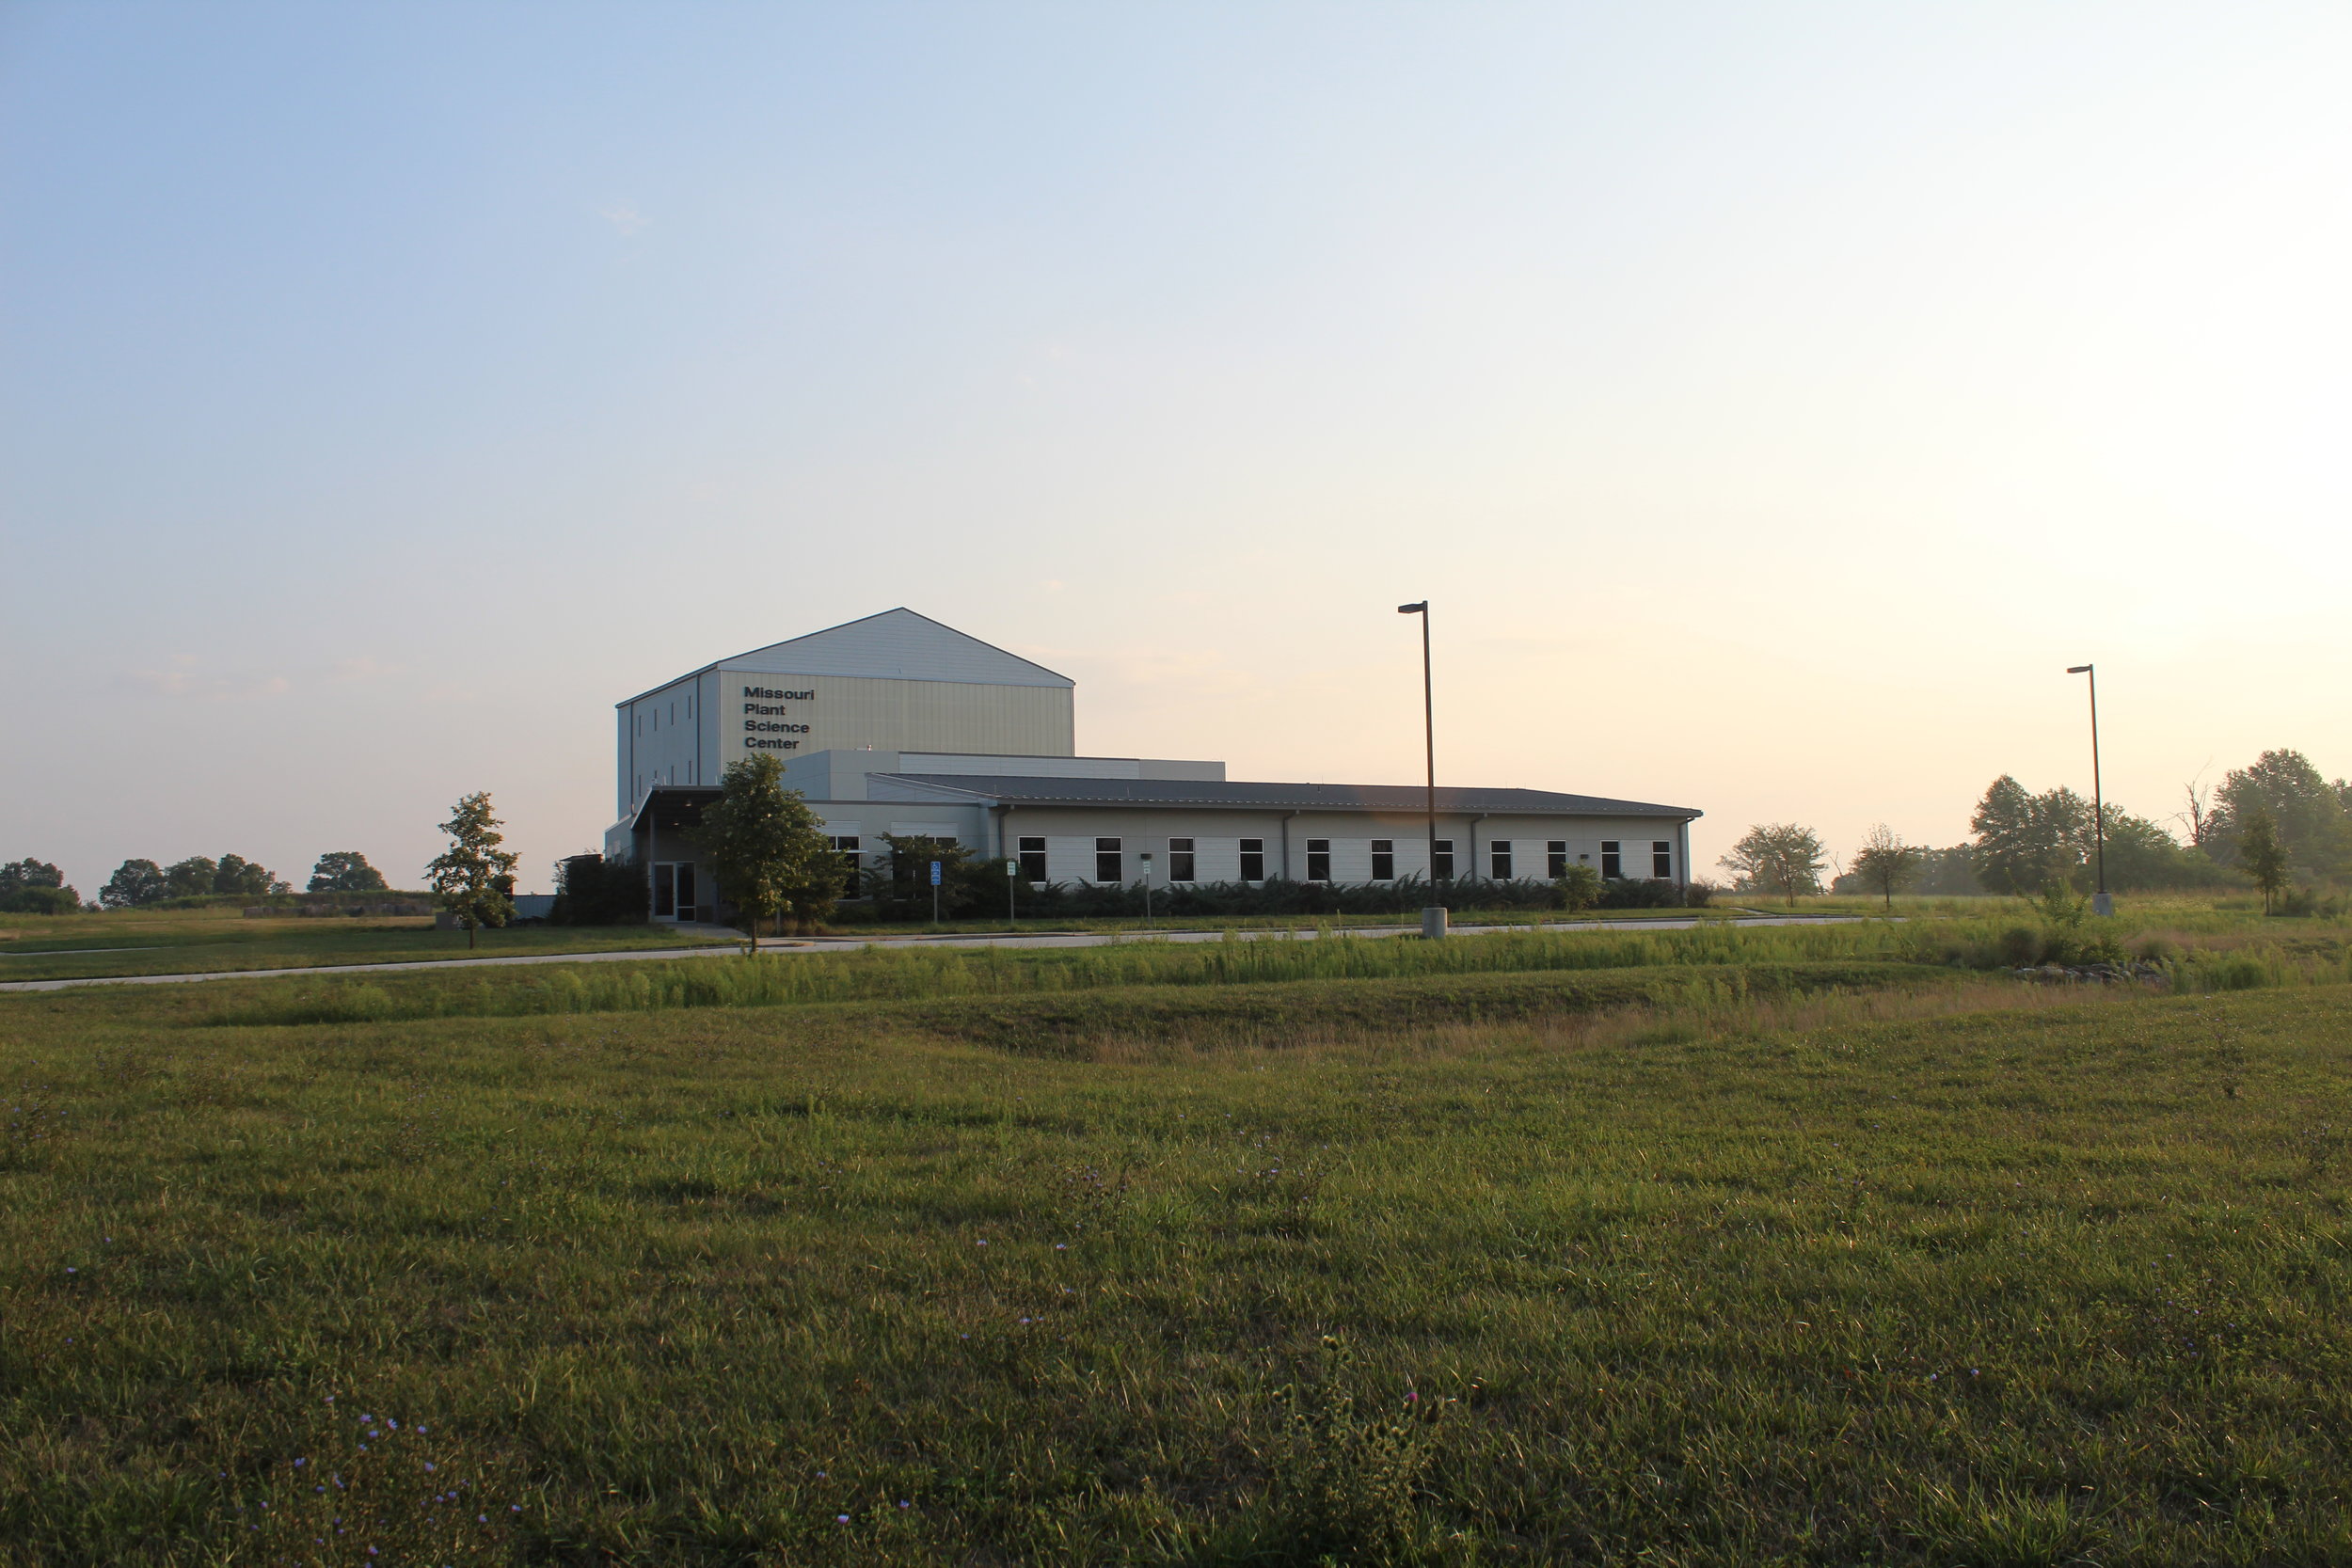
{"x": 935, "y": 873}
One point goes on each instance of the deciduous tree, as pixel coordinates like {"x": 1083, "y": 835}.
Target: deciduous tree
{"x": 191, "y": 877}
{"x": 35, "y": 887}
{"x": 29, "y": 871}
{"x": 2026, "y": 841}
{"x": 1778, "y": 857}
{"x": 237, "y": 874}
{"x": 345, "y": 871}
{"x": 2262, "y": 854}
{"x": 134, "y": 882}
{"x": 1884, "y": 864}
{"x": 474, "y": 876}
{"x": 768, "y": 849}
{"x": 2306, "y": 813}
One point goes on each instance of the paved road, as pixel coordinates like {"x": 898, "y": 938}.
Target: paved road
{"x": 836, "y": 944}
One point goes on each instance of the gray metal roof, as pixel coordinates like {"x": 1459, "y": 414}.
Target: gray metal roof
{"x": 1404, "y": 799}
{"x": 893, "y": 644}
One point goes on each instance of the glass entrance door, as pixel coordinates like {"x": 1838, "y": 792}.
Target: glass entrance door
{"x": 673, "y": 891}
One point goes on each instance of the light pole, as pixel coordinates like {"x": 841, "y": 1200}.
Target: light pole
{"x": 2100, "y": 903}
{"x": 1433, "y": 918}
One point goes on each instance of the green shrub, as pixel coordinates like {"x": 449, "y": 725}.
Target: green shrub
{"x": 40, "y": 900}
{"x": 593, "y": 891}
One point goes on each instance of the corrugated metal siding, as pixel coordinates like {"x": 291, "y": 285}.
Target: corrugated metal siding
{"x": 661, "y": 742}
{"x": 897, "y": 644}
{"x": 848, "y": 712}
{"x": 1063, "y": 768}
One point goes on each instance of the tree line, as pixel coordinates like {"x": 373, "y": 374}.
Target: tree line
{"x": 2270, "y": 823}
{"x": 32, "y": 886}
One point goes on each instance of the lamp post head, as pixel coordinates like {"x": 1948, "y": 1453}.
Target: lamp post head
{"x": 2078, "y": 669}
{"x": 1421, "y": 609}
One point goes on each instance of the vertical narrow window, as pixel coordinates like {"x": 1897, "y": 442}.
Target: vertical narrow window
{"x": 1318, "y": 859}
{"x": 1108, "y": 864}
{"x": 1661, "y": 860}
{"x": 1499, "y": 859}
{"x": 1556, "y": 859}
{"x": 664, "y": 892}
{"x": 1180, "y": 860}
{"x": 1611, "y": 859}
{"x": 1441, "y": 861}
{"x": 686, "y": 910}
{"x": 1253, "y": 860}
{"x": 1033, "y": 860}
{"x": 846, "y": 846}
{"x": 1384, "y": 860}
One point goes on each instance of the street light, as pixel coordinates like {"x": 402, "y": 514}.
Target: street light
{"x": 1432, "y": 919}
{"x": 2100, "y": 903}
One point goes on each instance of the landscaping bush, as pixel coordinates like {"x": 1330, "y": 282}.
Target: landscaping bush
{"x": 593, "y": 891}
{"x": 975, "y": 890}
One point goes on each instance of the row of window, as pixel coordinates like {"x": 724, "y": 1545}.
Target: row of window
{"x": 1110, "y": 860}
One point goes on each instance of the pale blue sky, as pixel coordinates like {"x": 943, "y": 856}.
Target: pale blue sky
{"x": 1773, "y": 399}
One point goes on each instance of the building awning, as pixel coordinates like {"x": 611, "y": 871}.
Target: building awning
{"x": 670, "y": 806}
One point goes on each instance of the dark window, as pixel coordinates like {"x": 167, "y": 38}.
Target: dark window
{"x": 1556, "y": 859}
{"x": 1611, "y": 859}
{"x": 1033, "y": 859}
{"x": 846, "y": 846}
{"x": 1253, "y": 860}
{"x": 1318, "y": 859}
{"x": 1108, "y": 866}
{"x": 1441, "y": 861}
{"x": 1661, "y": 860}
{"x": 686, "y": 910}
{"x": 664, "y": 892}
{"x": 1499, "y": 859}
{"x": 1180, "y": 860}
{"x": 1384, "y": 860}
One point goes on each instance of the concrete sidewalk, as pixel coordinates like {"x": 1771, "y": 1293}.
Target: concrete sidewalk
{"x": 791, "y": 945}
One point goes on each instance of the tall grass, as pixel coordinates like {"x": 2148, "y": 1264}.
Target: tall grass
{"x": 939, "y": 972}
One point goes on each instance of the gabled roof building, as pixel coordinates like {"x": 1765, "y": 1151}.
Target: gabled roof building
{"x": 897, "y": 725}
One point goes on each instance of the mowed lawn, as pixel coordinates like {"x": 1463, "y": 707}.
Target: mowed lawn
{"x": 1983, "y": 1274}
{"x": 201, "y": 942}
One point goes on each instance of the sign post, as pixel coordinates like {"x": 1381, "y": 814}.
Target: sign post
{"x": 1012, "y": 883}
{"x": 934, "y": 892}
{"x": 1146, "y": 890}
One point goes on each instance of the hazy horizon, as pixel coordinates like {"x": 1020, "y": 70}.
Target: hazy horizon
{"x": 1772, "y": 402}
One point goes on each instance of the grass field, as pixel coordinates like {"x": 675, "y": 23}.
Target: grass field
{"x": 198, "y": 942}
{"x": 1783, "y": 1249}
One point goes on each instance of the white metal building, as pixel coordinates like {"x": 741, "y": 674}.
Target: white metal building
{"x": 897, "y": 725}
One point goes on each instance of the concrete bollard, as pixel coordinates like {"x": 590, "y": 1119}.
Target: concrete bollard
{"x": 1433, "y": 921}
